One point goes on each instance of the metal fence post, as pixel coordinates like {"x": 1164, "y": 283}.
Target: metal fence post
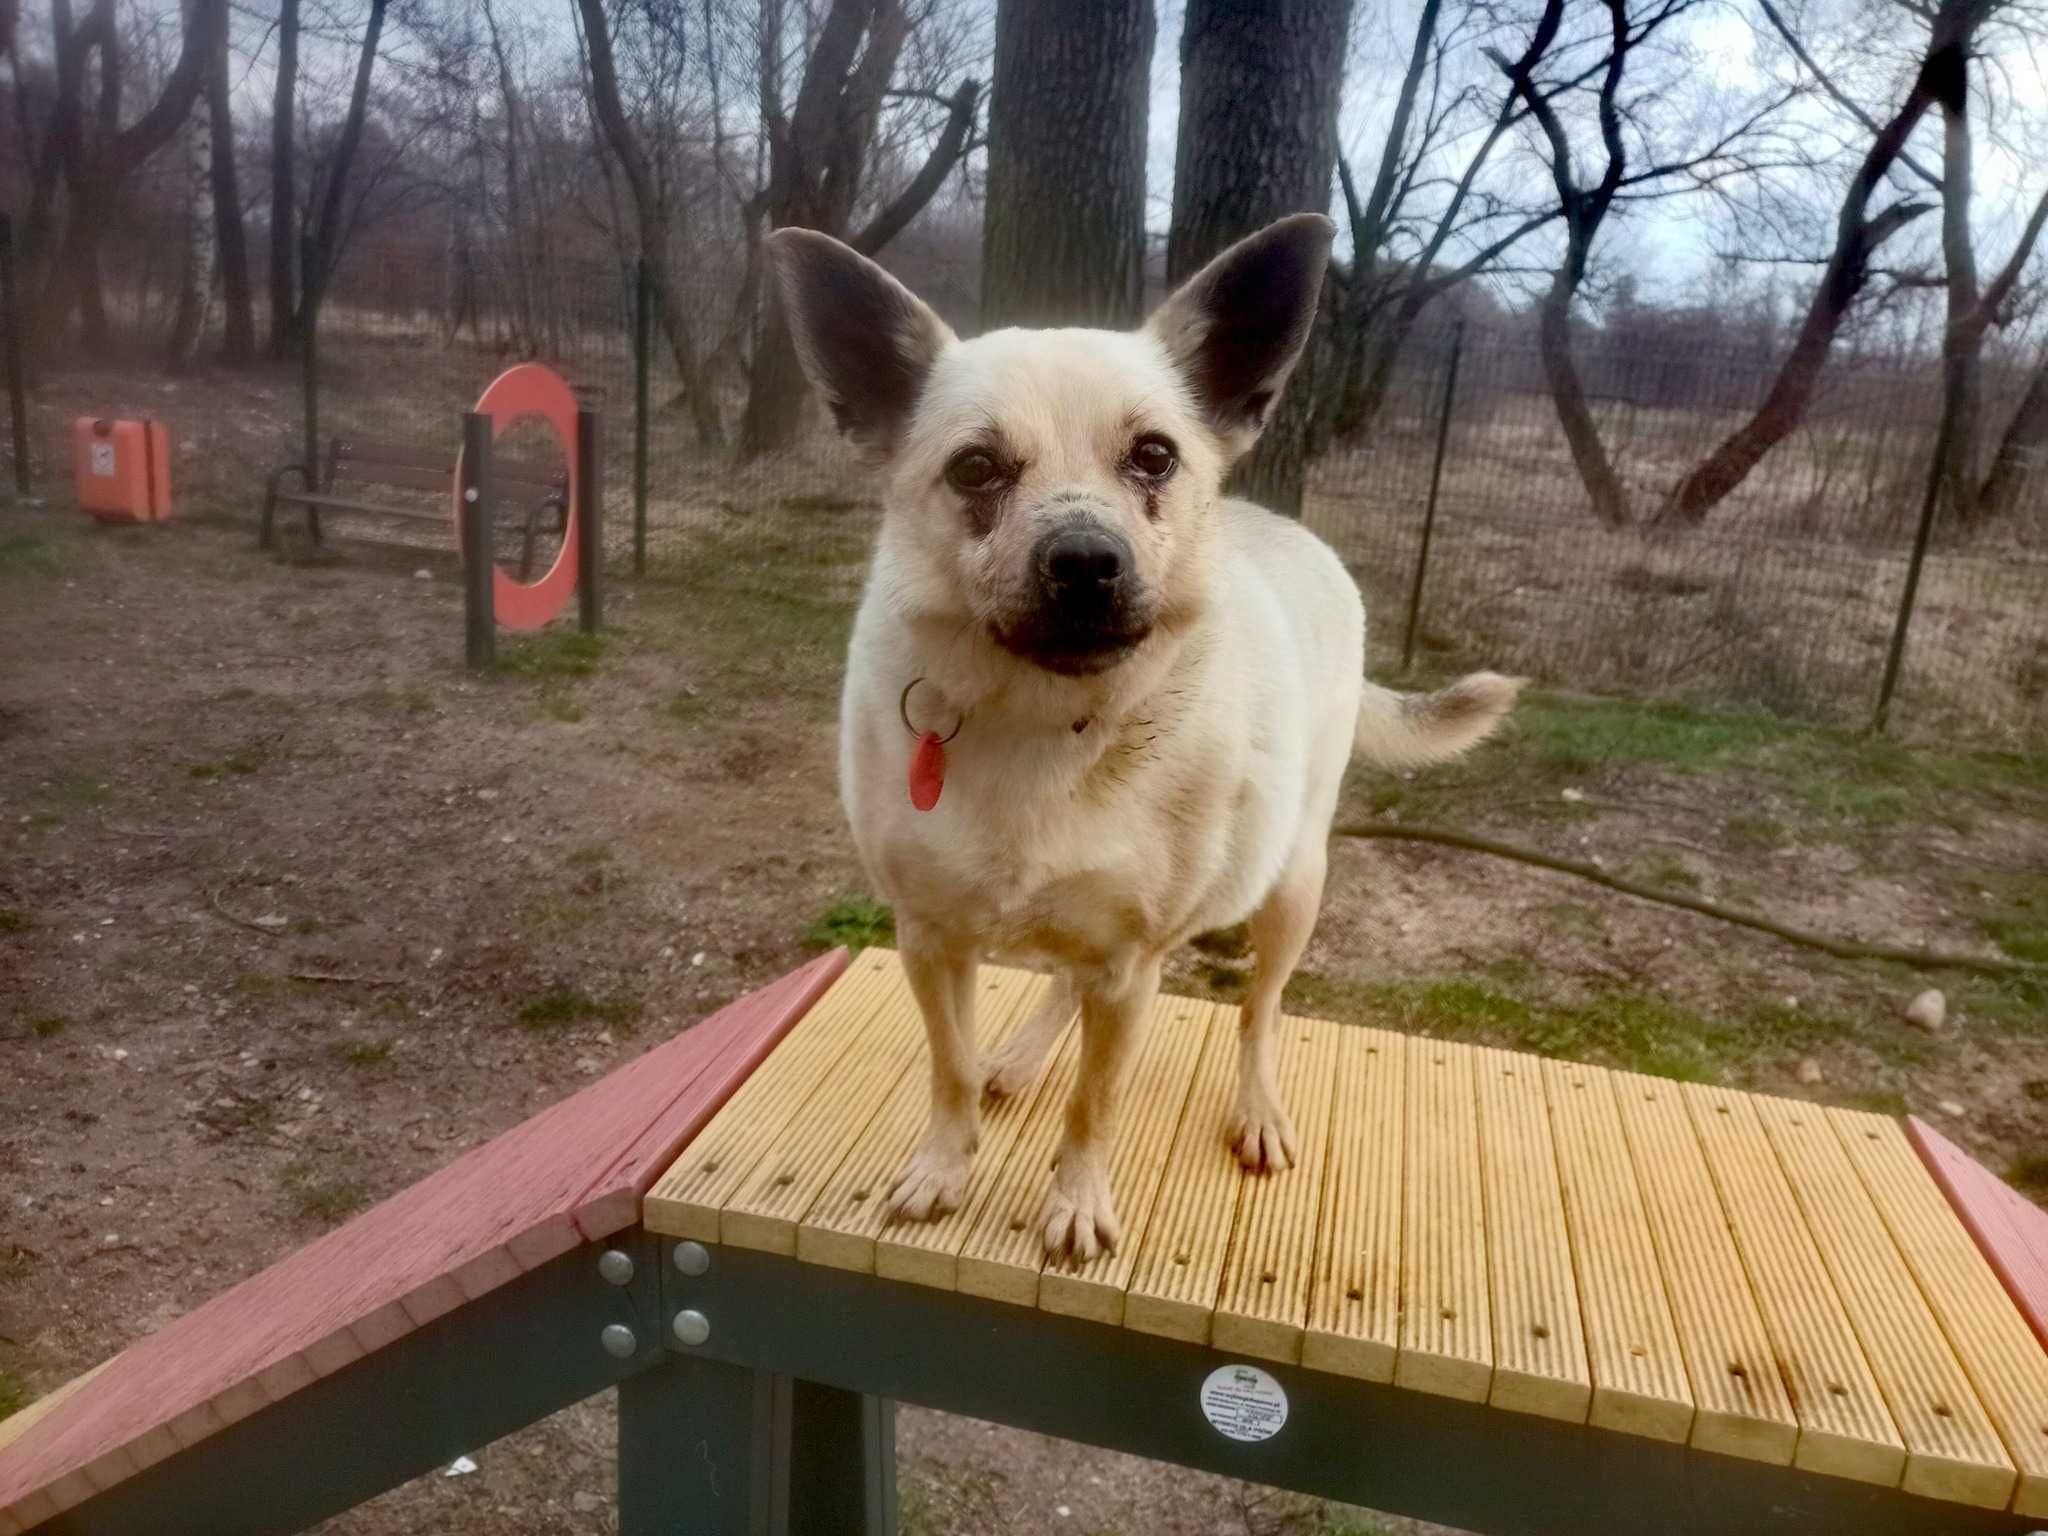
{"x": 309, "y": 360}
{"x": 1928, "y": 506}
{"x": 479, "y": 549}
{"x": 11, "y": 332}
{"x": 643, "y": 340}
{"x": 590, "y": 520}
{"x": 1436, "y": 473}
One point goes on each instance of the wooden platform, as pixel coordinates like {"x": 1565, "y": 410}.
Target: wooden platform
{"x": 1749, "y": 1276}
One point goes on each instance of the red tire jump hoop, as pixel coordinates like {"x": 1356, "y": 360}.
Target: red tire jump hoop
{"x": 529, "y": 389}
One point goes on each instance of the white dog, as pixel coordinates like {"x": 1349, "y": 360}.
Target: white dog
{"x": 1150, "y": 692}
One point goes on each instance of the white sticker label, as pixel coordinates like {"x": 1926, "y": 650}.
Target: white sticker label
{"x": 1243, "y": 1403}
{"x": 103, "y": 459}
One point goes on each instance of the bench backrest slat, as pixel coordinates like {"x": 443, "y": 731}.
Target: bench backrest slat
{"x": 427, "y": 468}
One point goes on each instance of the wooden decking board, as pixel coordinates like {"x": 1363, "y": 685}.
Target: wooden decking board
{"x": 686, "y": 1200}
{"x": 2010, "y": 1229}
{"x": 1952, "y": 1452}
{"x": 1446, "y": 1313}
{"x": 1180, "y": 1266}
{"x": 994, "y": 1247}
{"x": 1741, "y": 1406}
{"x": 1262, "y": 1304}
{"x": 1992, "y": 1341}
{"x": 1638, "y": 1373}
{"x": 1844, "y": 1427}
{"x": 1539, "y": 1341}
{"x": 1354, "y": 1316}
{"x": 888, "y": 1055}
{"x": 1154, "y": 1102}
{"x": 841, "y": 1224}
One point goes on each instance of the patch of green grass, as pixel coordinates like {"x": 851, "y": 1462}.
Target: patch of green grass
{"x": 558, "y": 703}
{"x": 362, "y": 1054}
{"x": 13, "y": 920}
{"x": 589, "y": 856}
{"x": 1224, "y": 980}
{"x": 1585, "y": 735}
{"x": 1878, "y": 1101}
{"x": 1572, "y": 917}
{"x": 240, "y": 763}
{"x": 398, "y": 701}
{"x": 2016, "y": 1002}
{"x": 2019, "y": 925}
{"x": 47, "y": 1026}
{"x": 559, "y": 1007}
{"x": 684, "y": 708}
{"x": 14, "y": 1394}
{"x": 1758, "y": 831}
{"x": 2028, "y": 1172}
{"x": 2036, "y": 1090}
{"x": 1344, "y": 1522}
{"x": 858, "y": 922}
{"x": 27, "y": 555}
{"x": 1612, "y": 1024}
{"x": 1670, "y": 871}
{"x": 303, "y": 927}
{"x": 322, "y": 1195}
{"x": 67, "y": 793}
{"x": 1225, "y": 943}
{"x": 551, "y": 653}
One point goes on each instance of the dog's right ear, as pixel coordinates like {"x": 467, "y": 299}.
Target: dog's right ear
{"x": 865, "y": 340}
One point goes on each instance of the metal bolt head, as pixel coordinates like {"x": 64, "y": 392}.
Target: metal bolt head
{"x": 469, "y": 494}
{"x": 618, "y": 1341}
{"x": 616, "y": 1267}
{"x": 692, "y": 1327}
{"x": 692, "y": 1258}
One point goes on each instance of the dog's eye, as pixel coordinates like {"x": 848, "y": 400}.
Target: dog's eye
{"x": 1152, "y": 458}
{"x": 973, "y": 471}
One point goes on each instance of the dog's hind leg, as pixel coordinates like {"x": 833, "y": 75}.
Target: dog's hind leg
{"x": 1014, "y": 1065}
{"x": 1260, "y": 1131}
{"x": 1080, "y": 1213}
{"x": 941, "y": 974}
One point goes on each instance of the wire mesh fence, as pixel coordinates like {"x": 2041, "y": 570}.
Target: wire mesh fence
{"x": 1783, "y": 599}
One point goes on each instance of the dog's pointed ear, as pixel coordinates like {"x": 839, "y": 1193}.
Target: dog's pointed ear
{"x": 1236, "y": 328}
{"x": 864, "y": 340}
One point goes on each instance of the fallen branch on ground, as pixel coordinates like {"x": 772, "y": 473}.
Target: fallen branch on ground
{"x": 1841, "y": 949}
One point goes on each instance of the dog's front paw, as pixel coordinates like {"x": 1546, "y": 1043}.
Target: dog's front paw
{"x": 1080, "y": 1215}
{"x": 933, "y": 1183}
{"x": 1260, "y": 1131}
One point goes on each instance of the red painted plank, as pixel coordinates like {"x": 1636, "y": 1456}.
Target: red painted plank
{"x": 2012, "y": 1230}
{"x": 520, "y": 1199}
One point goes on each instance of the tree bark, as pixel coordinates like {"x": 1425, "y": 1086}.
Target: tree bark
{"x": 284, "y": 234}
{"x": 238, "y": 316}
{"x": 1581, "y": 433}
{"x": 325, "y": 243}
{"x": 1260, "y": 86}
{"x": 196, "y": 254}
{"x": 1063, "y": 234}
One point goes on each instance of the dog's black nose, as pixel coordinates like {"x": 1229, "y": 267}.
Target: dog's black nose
{"x": 1082, "y": 561}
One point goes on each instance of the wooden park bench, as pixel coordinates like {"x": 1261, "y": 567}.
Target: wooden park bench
{"x": 534, "y": 493}
{"x": 1505, "y": 1293}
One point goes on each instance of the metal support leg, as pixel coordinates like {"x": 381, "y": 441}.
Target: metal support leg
{"x": 710, "y": 1449}
{"x": 842, "y": 1472}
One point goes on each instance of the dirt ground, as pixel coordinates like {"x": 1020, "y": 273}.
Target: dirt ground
{"x": 292, "y": 911}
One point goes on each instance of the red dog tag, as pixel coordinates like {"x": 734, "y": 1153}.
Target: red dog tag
{"x": 927, "y": 771}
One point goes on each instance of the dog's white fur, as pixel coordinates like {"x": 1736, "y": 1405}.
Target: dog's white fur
{"x": 1091, "y": 822}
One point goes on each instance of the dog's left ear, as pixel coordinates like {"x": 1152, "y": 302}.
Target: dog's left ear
{"x": 866, "y": 341}
{"x": 1237, "y": 327}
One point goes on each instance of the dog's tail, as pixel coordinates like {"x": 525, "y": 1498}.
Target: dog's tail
{"x": 1411, "y": 730}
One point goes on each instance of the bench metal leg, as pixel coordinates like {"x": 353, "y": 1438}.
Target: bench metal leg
{"x": 711, "y": 1449}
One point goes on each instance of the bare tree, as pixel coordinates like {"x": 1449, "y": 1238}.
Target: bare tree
{"x": 1258, "y": 140}
{"x": 196, "y": 242}
{"x": 819, "y": 155}
{"x": 96, "y": 161}
{"x": 283, "y": 197}
{"x": 324, "y": 238}
{"x": 1064, "y": 232}
{"x": 231, "y": 244}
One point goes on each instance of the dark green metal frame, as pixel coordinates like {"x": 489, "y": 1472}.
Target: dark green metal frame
{"x": 781, "y": 1420}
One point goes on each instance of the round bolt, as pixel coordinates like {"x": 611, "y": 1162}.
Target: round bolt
{"x": 469, "y": 494}
{"x": 692, "y": 1327}
{"x": 692, "y": 1258}
{"x": 618, "y": 1341}
{"x": 616, "y": 1267}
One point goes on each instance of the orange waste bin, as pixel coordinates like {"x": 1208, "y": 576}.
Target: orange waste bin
{"x": 123, "y": 469}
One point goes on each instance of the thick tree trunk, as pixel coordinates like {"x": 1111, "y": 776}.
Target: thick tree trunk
{"x": 238, "y": 316}
{"x": 2022, "y": 453}
{"x": 1581, "y": 433}
{"x": 195, "y": 264}
{"x": 1963, "y": 339}
{"x": 1063, "y": 237}
{"x": 1258, "y": 140}
{"x": 284, "y": 233}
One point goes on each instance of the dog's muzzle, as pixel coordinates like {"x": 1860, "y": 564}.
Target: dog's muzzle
{"x": 1087, "y": 611}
